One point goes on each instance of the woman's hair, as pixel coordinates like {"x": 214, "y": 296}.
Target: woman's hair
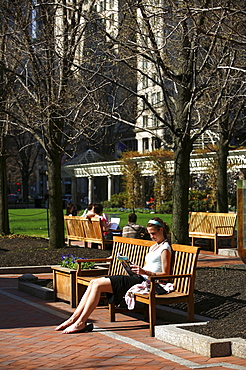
{"x": 98, "y": 208}
{"x": 157, "y": 223}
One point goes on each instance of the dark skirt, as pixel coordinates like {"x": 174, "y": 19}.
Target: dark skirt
{"x": 120, "y": 285}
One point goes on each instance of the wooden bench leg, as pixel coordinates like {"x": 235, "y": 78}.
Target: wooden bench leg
{"x": 55, "y": 286}
{"x": 152, "y": 319}
{"x": 73, "y": 291}
{"x": 190, "y": 309}
{"x": 111, "y": 312}
{"x": 215, "y": 245}
{"x": 80, "y": 290}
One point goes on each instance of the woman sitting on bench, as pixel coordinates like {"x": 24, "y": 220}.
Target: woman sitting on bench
{"x": 157, "y": 262}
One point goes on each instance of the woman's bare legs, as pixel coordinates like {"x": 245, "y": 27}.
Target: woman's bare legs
{"x": 77, "y": 311}
{"x": 88, "y": 303}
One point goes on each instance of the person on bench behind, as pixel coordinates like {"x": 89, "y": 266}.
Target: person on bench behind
{"x": 132, "y": 229}
{"x": 157, "y": 262}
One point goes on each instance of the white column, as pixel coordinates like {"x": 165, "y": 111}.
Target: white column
{"x": 110, "y": 186}
{"x": 90, "y": 189}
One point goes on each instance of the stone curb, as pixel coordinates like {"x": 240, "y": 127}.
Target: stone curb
{"x": 36, "y": 290}
{"x": 200, "y": 344}
{"x": 25, "y": 269}
{"x": 232, "y": 252}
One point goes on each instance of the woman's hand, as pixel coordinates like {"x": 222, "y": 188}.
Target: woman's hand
{"x": 137, "y": 270}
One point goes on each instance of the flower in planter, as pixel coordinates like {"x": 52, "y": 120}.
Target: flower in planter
{"x": 69, "y": 261}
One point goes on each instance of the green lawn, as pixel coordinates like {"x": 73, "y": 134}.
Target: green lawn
{"x": 142, "y": 218}
{"x": 34, "y": 222}
{"x": 28, "y": 221}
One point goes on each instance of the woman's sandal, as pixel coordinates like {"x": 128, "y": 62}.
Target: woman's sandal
{"x": 87, "y": 328}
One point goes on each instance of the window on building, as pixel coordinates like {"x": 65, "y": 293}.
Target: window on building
{"x": 145, "y": 63}
{"x": 156, "y": 143}
{"x": 155, "y": 79}
{"x": 131, "y": 144}
{"x": 144, "y": 104}
{"x": 111, "y": 4}
{"x": 145, "y": 121}
{"x": 145, "y": 82}
{"x": 154, "y": 121}
{"x": 145, "y": 143}
{"x": 111, "y": 20}
{"x": 154, "y": 98}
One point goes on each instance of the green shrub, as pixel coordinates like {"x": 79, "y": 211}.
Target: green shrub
{"x": 197, "y": 194}
{"x": 197, "y": 206}
{"x": 166, "y": 207}
{"x": 117, "y": 201}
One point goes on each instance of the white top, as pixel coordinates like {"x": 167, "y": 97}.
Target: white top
{"x": 153, "y": 261}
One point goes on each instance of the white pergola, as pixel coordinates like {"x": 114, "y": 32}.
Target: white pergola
{"x": 91, "y": 165}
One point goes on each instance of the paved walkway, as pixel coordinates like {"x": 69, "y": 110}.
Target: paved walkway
{"x": 28, "y": 339}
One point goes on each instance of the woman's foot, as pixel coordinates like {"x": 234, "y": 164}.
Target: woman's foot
{"x": 65, "y": 324}
{"x": 73, "y": 330}
{"x": 78, "y": 328}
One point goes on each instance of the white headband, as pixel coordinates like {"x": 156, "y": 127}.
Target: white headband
{"x": 155, "y": 222}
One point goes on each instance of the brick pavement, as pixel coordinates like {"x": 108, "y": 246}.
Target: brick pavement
{"x": 28, "y": 339}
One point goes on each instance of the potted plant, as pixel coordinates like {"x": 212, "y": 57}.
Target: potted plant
{"x": 64, "y": 277}
{"x": 69, "y": 261}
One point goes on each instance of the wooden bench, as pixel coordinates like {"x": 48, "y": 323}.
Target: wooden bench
{"x": 86, "y": 230}
{"x": 213, "y": 226}
{"x": 182, "y": 274}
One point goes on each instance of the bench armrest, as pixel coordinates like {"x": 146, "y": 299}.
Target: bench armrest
{"x": 153, "y": 278}
{"x": 108, "y": 259}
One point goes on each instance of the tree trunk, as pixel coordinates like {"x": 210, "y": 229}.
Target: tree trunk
{"x": 56, "y": 223}
{"x": 4, "y": 215}
{"x": 25, "y": 190}
{"x": 182, "y": 151}
{"x": 180, "y": 194}
{"x": 222, "y": 194}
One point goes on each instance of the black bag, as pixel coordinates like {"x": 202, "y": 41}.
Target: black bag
{"x": 159, "y": 289}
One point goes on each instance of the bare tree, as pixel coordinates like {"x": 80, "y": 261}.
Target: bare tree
{"x": 51, "y": 98}
{"x": 62, "y": 91}
{"x": 180, "y": 47}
